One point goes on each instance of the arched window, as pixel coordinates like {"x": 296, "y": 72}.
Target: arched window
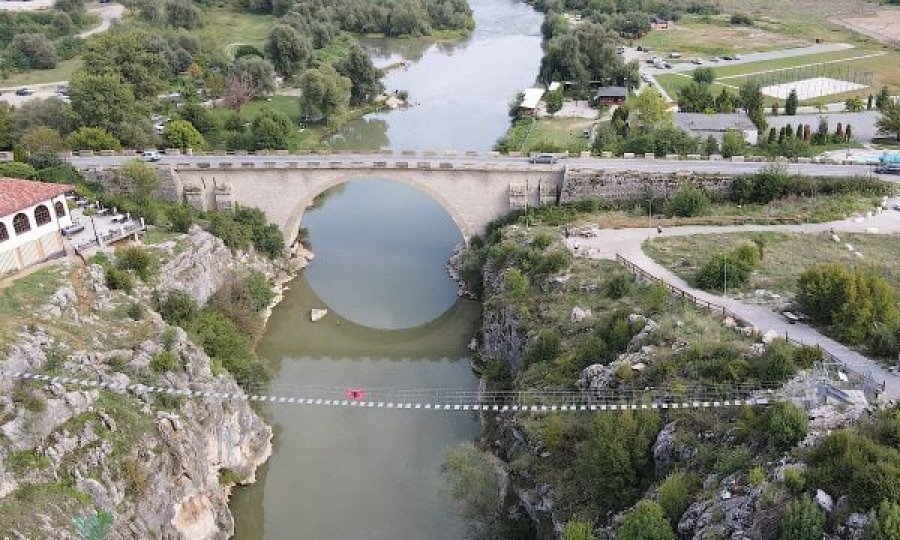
{"x": 41, "y": 215}
{"x": 21, "y": 223}
{"x": 4, "y": 234}
{"x": 60, "y": 209}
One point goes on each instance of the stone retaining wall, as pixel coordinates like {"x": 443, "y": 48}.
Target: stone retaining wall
{"x": 611, "y": 185}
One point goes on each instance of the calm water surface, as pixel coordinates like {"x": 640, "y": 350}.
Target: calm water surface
{"x": 460, "y": 91}
{"x": 394, "y": 318}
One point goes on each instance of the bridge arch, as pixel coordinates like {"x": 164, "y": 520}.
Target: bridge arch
{"x": 295, "y": 217}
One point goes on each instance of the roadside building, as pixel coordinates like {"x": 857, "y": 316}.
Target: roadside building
{"x": 703, "y": 125}
{"x": 530, "y": 100}
{"x": 31, "y": 217}
{"x": 611, "y": 95}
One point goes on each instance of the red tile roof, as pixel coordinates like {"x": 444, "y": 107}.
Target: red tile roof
{"x": 18, "y": 194}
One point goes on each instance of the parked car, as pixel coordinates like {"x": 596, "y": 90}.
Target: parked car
{"x": 150, "y": 155}
{"x": 714, "y": 59}
{"x": 63, "y": 90}
{"x": 546, "y": 159}
{"x": 888, "y": 168}
{"x": 674, "y": 55}
{"x": 646, "y": 78}
{"x": 737, "y": 57}
{"x": 621, "y": 50}
{"x": 727, "y": 57}
{"x": 24, "y": 91}
{"x": 667, "y": 65}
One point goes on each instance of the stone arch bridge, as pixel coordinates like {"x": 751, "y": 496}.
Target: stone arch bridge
{"x": 473, "y": 197}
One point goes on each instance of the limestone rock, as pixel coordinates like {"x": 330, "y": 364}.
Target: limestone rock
{"x": 824, "y": 501}
{"x": 579, "y": 314}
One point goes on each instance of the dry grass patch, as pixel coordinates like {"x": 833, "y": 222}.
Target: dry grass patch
{"x": 693, "y": 35}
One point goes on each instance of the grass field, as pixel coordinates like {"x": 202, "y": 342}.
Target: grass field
{"x": 62, "y": 72}
{"x": 224, "y": 28}
{"x": 885, "y": 65}
{"x": 714, "y": 36}
{"x": 785, "y": 255}
{"x": 548, "y": 134}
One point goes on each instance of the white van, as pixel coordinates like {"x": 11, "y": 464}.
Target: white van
{"x": 150, "y": 155}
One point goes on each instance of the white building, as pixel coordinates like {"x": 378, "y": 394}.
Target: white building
{"x": 32, "y": 214}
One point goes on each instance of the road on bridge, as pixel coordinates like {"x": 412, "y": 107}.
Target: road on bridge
{"x": 489, "y": 160}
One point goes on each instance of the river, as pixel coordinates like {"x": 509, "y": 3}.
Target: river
{"x": 394, "y": 318}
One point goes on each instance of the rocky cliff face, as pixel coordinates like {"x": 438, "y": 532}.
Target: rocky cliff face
{"x": 160, "y": 465}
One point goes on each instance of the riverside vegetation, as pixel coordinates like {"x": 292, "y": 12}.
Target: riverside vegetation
{"x": 552, "y": 322}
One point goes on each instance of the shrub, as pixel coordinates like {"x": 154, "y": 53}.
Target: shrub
{"x": 646, "y": 521}
{"x": 180, "y": 218}
{"x": 776, "y": 364}
{"x": 674, "y": 495}
{"x": 177, "y": 307}
{"x": 763, "y": 187}
{"x": 165, "y": 361}
{"x": 689, "y": 201}
{"x": 794, "y": 480}
{"x": 619, "y": 286}
{"x": 17, "y": 169}
{"x": 120, "y": 280}
{"x": 723, "y": 270}
{"x": 802, "y": 520}
{"x": 578, "y": 530}
{"x": 884, "y": 522}
{"x": 514, "y": 282}
{"x": 138, "y": 260}
{"x": 544, "y": 349}
{"x": 756, "y": 476}
{"x": 592, "y": 351}
{"x": 135, "y": 311}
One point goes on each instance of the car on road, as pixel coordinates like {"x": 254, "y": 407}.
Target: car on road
{"x": 63, "y": 90}
{"x": 697, "y": 61}
{"x": 24, "y": 91}
{"x": 646, "y": 78}
{"x": 888, "y": 168}
{"x": 674, "y": 55}
{"x": 737, "y": 57}
{"x": 150, "y": 155}
{"x": 545, "y": 159}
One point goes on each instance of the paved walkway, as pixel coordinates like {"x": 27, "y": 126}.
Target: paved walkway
{"x": 628, "y": 243}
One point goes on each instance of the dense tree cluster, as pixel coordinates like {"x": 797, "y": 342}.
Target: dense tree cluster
{"x": 39, "y": 39}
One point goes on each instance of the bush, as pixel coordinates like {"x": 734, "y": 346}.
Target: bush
{"x": 646, "y": 521}
{"x": 138, "y": 260}
{"x": 514, "y": 282}
{"x": 180, "y": 218}
{"x": 578, "y": 530}
{"x": 592, "y": 351}
{"x": 763, "y": 187}
{"x": 756, "y": 476}
{"x": 674, "y": 495}
{"x": 689, "y": 201}
{"x": 135, "y": 311}
{"x": 802, "y": 520}
{"x": 119, "y": 280}
{"x": 544, "y": 349}
{"x": 794, "y": 480}
{"x": 619, "y": 286}
{"x": 16, "y": 169}
{"x": 884, "y": 522}
{"x": 165, "y": 361}
{"x": 776, "y": 364}
{"x": 177, "y": 308}
{"x": 723, "y": 269}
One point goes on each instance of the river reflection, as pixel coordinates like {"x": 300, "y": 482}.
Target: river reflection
{"x": 365, "y": 473}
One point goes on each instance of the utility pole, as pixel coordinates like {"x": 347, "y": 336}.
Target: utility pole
{"x": 725, "y": 290}
{"x": 527, "y": 225}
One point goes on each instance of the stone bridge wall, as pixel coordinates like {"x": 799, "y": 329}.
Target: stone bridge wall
{"x": 623, "y": 186}
{"x": 111, "y": 180}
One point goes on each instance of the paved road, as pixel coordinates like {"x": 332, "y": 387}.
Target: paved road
{"x": 628, "y": 243}
{"x": 109, "y": 13}
{"x": 485, "y": 158}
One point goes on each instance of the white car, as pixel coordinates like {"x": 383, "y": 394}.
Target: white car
{"x": 698, "y": 61}
{"x": 151, "y": 156}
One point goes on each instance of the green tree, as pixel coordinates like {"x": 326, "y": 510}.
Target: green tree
{"x": 614, "y": 464}
{"x": 41, "y": 140}
{"x": 696, "y": 97}
{"x": 515, "y": 283}
{"x": 133, "y": 56}
{"x": 182, "y": 14}
{"x": 93, "y": 138}
{"x": 287, "y": 49}
{"x": 802, "y": 520}
{"x": 646, "y": 521}
{"x": 889, "y": 122}
{"x": 365, "y": 78}
{"x": 790, "y": 106}
{"x": 884, "y": 521}
{"x": 883, "y": 98}
{"x": 689, "y": 201}
{"x": 554, "y": 101}
{"x": 472, "y": 481}
{"x": 272, "y": 130}
{"x": 651, "y": 107}
{"x": 751, "y": 99}
{"x": 181, "y": 134}
{"x": 854, "y": 104}
{"x": 786, "y": 425}
{"x": 31, "y": 51}
{"x": 6, "y": 138}
{"x": 733, "y": 144}
{"x": 254, "y": 75}
{"x": 711, "y": 146}
{"x": 325, "y": 93}
{"x": 101, "y": 100}
{"x": 704, "y": 75}
{"x": 142, "y": 178}
{"x": 73, "y": 8}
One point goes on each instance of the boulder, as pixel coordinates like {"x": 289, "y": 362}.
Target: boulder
{"x": 824, "y": 500}
{"x": 579, "y": 314}
{"x": 316, "y": 315}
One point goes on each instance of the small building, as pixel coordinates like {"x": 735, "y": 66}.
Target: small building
{"x": 32, "y": 215}
{"x": 611, "y": 95}
{"x": 703, "y": 125}
{"x": 530, "y": 100}
{"x": 658, "y": 23}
